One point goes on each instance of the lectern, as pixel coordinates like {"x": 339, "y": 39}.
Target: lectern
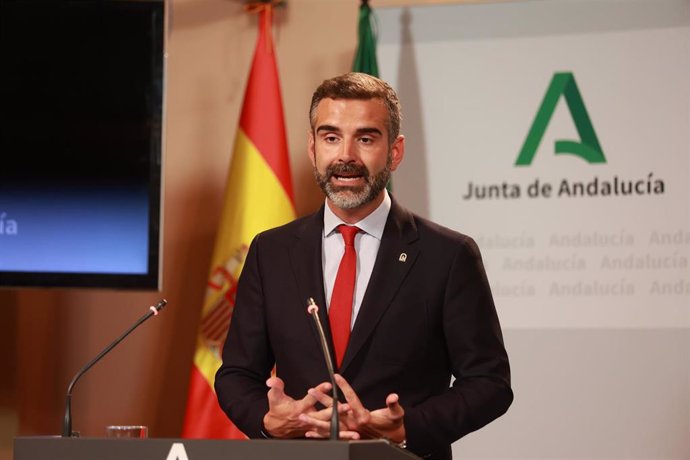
{"x": 58, "y": 448}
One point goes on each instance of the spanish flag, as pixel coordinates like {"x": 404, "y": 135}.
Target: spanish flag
{"x": 258, "y": 197}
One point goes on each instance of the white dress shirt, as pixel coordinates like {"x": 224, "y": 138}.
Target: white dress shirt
{"x": 367, "y": 243}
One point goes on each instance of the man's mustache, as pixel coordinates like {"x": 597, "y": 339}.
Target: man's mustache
{"x": 341, "y": 169}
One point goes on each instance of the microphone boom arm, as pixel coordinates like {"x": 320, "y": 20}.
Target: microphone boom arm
{"x": 313, "y": 310}
{"x": 67, "y": 425}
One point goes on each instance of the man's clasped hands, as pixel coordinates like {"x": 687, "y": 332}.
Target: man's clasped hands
{"x": 291, "y": 418}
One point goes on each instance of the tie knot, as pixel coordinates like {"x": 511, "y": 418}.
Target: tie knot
{"x": 348, "y": 233}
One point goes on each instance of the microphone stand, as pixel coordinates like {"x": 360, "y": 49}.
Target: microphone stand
{"x": 313, "y": 310}
{"x": 67, "y": 424}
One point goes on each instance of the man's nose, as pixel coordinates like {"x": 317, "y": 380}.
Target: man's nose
{"x": 348, "y": 152}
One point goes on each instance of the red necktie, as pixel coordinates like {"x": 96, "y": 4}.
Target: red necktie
{"x": 340, "y": 310}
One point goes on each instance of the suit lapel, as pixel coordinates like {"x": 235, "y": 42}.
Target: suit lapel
{"x": 305, "y": 258}
{"x": 389, "y": 271}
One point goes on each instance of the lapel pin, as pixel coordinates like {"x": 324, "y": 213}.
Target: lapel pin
{"x": 403, "y": 257}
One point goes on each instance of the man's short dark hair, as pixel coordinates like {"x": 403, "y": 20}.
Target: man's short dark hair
{"x": 361, "y": 86}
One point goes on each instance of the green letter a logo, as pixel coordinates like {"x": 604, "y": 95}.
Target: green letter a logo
{"x": 588, "y": 149}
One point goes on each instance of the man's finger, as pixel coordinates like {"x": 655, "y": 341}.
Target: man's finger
{"x": 349, "y": 393}
{"x": 394, "y": 407}
{"x": 323, "y": 414}
{"x": 275, "y": 393}
{"x": 324, "y": 387}
{"x": 359, "y": 413}
{"x": 326, "y": 413}
{"x": 352, "y": 435}
{"x": 344, "y": 408}
{"x": 275, "y": 382}
{"x": 323, "y": 398}
{"x": 314, "y": 422}
{"x": 307, "y": 403}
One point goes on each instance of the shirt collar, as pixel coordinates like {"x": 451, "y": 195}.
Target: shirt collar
{"x": 373, "y": 224}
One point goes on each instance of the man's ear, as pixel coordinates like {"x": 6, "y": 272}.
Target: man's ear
{"x": 397, "y": 152}
{"x": 311, "y": 149}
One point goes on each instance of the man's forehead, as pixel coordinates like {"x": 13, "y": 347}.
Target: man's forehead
{"x": 353, "y": 100}
{"x": 373, "y": 108}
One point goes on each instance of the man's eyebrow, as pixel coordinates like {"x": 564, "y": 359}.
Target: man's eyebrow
{"x": 327, "y": 129}
{"x": 369, "y": 131}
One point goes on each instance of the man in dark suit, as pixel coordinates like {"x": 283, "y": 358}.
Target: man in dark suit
{"x": 419, "y": 307}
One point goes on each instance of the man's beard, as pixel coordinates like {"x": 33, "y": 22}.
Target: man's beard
{"x": 351, "y": 197}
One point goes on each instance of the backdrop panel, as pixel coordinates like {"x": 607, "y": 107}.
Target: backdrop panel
{"x": 557, "y": 133}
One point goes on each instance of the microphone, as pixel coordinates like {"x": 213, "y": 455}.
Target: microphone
{"x": 313, "y": 310}
{"x": 67, "y": 425}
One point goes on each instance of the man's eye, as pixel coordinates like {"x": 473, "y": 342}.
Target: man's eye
{"x": 331, "y": 138}
{"x": 366, "y": 140}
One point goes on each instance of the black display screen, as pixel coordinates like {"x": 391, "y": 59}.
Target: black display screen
{"x": 81, "y": 96}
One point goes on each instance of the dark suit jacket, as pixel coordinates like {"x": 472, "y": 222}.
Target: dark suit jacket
{"x": 421, "y": 320}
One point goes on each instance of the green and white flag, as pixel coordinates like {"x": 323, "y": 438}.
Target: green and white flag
{"x": 365, "y": 57}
